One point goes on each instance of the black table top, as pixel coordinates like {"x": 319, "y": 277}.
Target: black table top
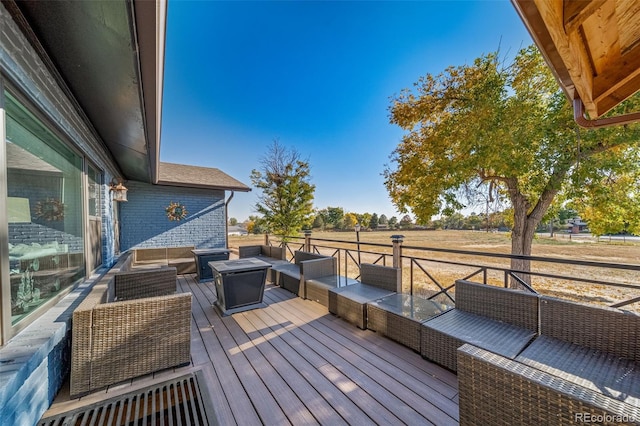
{"x": 238, "y": 265}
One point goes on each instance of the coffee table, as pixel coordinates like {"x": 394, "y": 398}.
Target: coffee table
{"x": 400, "y": 316}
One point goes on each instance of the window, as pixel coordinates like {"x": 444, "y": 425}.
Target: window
{"x": 44, "y": 188}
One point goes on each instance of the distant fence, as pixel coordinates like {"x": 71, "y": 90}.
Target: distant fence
{"x": 433, "y": 271}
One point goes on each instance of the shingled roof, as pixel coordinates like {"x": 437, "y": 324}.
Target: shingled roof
{"x": 198, "y": 177}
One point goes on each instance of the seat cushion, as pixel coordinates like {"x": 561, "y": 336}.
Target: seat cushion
{"x": 495, "y": 336}
{"x": 613, "y": 376}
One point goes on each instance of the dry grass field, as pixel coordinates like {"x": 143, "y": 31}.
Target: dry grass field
{"x": 445, "y": 268}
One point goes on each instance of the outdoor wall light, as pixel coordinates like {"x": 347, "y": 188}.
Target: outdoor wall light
{"x": 118, "y": 189}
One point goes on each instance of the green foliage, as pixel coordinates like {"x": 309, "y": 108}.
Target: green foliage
{"x": 286, "y": 200}
{"x": 364, "y": 219}
{"x": 233, "y": 221}
{"x": 318, "y": 222}
{"x": 509, "y": 127}
{"x": 373, "y": 222}
{"x": 609, "y": 199}
{"x": 393, "y": 222}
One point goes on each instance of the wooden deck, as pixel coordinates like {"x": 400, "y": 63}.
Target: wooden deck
{"x": 294, "y": 363}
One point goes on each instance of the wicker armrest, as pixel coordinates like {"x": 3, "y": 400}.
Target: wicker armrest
{"x": 495, "y": 390}
{"x": 144, "y": 283}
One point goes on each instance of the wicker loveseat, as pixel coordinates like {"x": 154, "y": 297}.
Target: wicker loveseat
{"x": 180, "y": 258}
{"x": 584, "y": 368}
{"x": 498, "y": 319}
{"x": 147, "y": 329}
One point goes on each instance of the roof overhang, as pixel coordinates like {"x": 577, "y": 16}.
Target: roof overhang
{"x": 109, "y": 57}
{"x": 183, "y": 175}
{"x": 592, "y": 47}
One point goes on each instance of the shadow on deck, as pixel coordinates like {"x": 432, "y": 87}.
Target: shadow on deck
{"x": 294, "y": 363}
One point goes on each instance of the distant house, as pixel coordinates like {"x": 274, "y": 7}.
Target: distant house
{"x": 237, "y": 230}
{"x": 577, "y": 225}
{"x": 79, "y": 135}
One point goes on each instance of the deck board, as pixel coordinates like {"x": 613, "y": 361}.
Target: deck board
{"x": 375, "y": 374}
{"x": 294, "y": 363}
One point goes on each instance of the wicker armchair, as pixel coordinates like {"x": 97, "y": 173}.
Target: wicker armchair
{"x": 148, "y": 329}
{"x": 350, "y": 302}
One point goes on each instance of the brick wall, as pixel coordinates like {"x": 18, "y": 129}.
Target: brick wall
{"x": 144, "y": 222}
{"x": 34, "y": 363}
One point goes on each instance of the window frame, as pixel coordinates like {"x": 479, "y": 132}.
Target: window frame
{"x": 7, "y": 329}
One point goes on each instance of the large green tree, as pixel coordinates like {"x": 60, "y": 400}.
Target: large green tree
{"x": 286, "y": 199}
{"x": 491, "y": 125}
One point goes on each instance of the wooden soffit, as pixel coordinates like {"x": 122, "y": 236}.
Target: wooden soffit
{"x": 592, "y": 47}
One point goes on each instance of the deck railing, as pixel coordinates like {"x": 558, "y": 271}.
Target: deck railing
{"x": 433, "y": 271}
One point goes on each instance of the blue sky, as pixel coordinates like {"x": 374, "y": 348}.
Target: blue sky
{"x": 317, "y": 76}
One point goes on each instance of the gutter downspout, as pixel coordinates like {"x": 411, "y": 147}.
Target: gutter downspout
{"x": 226, "y": 220}
{"x": 578, "y": 116}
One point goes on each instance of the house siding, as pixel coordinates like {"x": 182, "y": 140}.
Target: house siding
{"x": 145, "y": 223}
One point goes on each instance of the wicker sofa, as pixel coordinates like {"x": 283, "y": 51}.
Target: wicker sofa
{"x": 584, "y": 368}
{"x": 180, "y": 258}
{"x": 147, "y": 329}
{"x": 497, "y": 319}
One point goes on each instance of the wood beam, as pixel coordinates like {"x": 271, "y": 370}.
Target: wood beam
{"x": 575, "y": 12}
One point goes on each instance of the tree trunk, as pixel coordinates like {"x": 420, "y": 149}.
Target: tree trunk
{"x": 521, "y": 242}
{"x": 525, "y": 221}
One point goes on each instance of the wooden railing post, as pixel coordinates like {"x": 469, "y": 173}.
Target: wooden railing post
{"x": 397, "y": 258}
{"x": 307, "y": 240}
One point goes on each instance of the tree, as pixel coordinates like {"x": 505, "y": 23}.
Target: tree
{"x": 373, "y": 222}
{"x": 350, "y": 220}
{"x": 333, "y": 216}
{"x": 383, "y": 219}
{"x": 364, "y": 219}
{"x": 392, "y": 222}
{"x": 318, "y": 222}
{"x": 256, "y": 225}
{"x": 510, "y": 127}
{"x": 233, "y": 221}
{"x": 286, "y": 201}
{"x": 405, "y": 222}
